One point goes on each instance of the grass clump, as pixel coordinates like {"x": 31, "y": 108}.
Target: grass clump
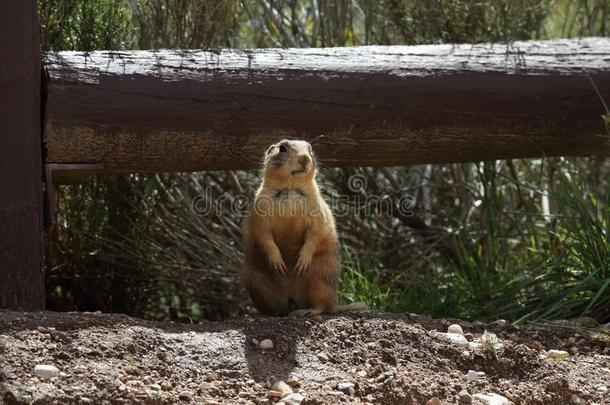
{"x": 549, "y": 261}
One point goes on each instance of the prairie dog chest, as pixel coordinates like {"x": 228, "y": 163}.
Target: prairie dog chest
{"x": 291, "y": 217}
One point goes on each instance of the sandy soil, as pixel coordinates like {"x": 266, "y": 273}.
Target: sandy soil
{"x": 356, "y": 358}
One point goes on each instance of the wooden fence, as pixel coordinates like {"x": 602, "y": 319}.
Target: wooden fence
{"x": 181, "y": 110}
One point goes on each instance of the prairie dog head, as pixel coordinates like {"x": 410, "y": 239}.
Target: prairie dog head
{"x": 290, "y": 160}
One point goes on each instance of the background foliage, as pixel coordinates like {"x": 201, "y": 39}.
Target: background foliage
{"x": 518, "y": 239}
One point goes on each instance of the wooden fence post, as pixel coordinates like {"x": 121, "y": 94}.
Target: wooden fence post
{"x": 21, "y": 194}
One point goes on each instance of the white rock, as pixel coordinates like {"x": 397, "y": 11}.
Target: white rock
{"x": 492, "y": 399}
{"x": 456, "y": 339}
{"x": 455, "y": 328}
{"x": 473, "y": 375}
{"x": 46, "y": 371}
{"x": 293, "y": 399}
{"x": 578, "y": 400}
{"x": 558, "y": 354}
{"x": 602, "y": 388}
{"x": 281, "y": 387}
{"x": 323, "y": 356}
{"x": 347, "y": 388}
{"x": 266, "y": 344}
{"x": 186, "y": 395}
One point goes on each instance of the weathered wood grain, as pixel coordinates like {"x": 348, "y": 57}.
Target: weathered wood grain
{"x": 151, "y": 111}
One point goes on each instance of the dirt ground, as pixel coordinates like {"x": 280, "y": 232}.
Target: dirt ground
{"x": 356, "y": 358}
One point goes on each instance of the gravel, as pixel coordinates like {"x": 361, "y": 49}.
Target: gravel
{"x": 110, "y": 358}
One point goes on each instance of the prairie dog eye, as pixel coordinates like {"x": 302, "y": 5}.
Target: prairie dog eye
{"x": 283, "y": 149}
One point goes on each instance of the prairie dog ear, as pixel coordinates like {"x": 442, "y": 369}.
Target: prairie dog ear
{"x": 269, "y": 150}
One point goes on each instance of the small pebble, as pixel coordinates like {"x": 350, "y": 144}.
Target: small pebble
{"x": 266, "y": 344}
{"x": 492, "y": 399}
{"x": 434, "y": 401}
{"x": 455, "y": 328}
{"x": 293, "y": 381}
{"x": 185, "y": 395}
{"x": 465, "y": 397}
{"x": 456, "y": 339}
{"x": 473, "y": 375}
{"x": 293, "y": 399}
{"x": 323, "y": 356}
{"x": 578, "y": 400}
{"x": 558, "y": 354}
{"x": 346, "y": 388}
{"x": 602, "y": 388}
{"x": 155, "y": 387}
{"x": 46, "y": 371}
{"x": 211, "y": 376}
{"x": 281, "y": 387}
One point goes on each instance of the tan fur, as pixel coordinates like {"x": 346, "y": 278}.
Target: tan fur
{"x": 290, "y": 241}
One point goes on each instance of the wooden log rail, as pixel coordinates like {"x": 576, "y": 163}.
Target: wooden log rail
{"x": 176, "y": 110}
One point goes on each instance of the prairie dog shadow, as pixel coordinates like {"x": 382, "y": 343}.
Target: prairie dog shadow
{"x": 286, "y": 334}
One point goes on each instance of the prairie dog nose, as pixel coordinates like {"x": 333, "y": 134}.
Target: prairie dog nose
{"x": 303, "y": 159}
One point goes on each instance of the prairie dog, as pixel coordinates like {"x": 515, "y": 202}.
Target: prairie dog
{"x": 290, "y": 240}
